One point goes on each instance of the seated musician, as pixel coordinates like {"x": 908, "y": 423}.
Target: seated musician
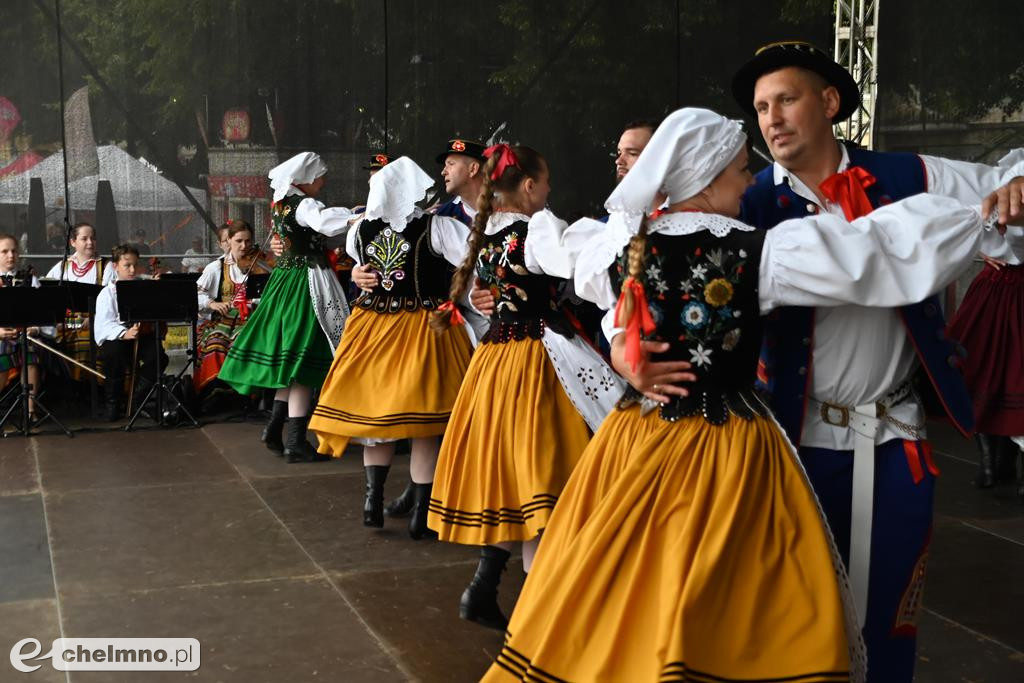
{"x": 224, "y": 304}
{"x": 85, "y": 265}
{"x": 119, "y": 343}
{"x": 11, "y": 353}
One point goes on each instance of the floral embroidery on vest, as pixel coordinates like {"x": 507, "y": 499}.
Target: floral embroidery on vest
{"x": 387, "y": 254}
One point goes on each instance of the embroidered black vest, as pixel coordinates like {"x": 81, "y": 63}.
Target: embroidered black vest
{"x": 303, "y": 247}
{"x": 702, "y": 295}
{"x": 525, "y": 303}
{"x": 411, "y": 275}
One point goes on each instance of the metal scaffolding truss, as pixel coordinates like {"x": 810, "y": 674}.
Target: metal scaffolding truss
{"x": 856, "y": 48}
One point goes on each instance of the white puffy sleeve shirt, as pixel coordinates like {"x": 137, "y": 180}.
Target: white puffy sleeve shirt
{"x": 897, "y": 255}
{"x": 108, "y": 325}
{"x": 329, "y": 222}
{"x": 544, "y": 253}
{"x": 971, "y": 183}
{"x": 109, "y": 273}
{"x": 448, "y": 237}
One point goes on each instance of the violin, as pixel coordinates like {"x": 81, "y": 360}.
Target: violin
{"x": 253, "y": 256}
{"x": 253, "y": 261}
{"x": 150, "y": 329}
{"x": 156, "y": 268}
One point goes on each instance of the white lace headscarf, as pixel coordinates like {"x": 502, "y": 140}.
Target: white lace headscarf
{"x": 394, "y": 191}
{"x": 299, "y": 170}
{"x": 687, "y": 151}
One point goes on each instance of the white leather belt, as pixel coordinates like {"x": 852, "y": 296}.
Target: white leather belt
{"x": 864, "y": 421}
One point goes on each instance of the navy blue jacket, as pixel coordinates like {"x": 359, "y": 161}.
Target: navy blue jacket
{"x": 785, "y": 365}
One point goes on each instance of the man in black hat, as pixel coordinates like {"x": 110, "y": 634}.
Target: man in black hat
{"x": 462, "y": 169}
{"x": 840, "y": 378}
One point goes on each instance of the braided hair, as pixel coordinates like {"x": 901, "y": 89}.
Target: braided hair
{"x": 529, "y": 164}
{"x": 636, "y": 254}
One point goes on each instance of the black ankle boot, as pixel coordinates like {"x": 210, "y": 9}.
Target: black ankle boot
{"x": 986, "y": 477}
{"x": 373, "y": 506}
{"x": 418, "y": 521}
{"x": 274, "y": 429}
{"x": 1004, "y": 462}
{"x": 401, "y": 506}
{"x": 1019, "y": 462}
{"x": 296, "y": 448}
{"x": 479, "y": 601}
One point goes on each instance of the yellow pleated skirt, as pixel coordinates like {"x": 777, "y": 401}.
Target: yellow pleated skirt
{"x": 681, "y": 552}
{"x": 392, "y": 378}
{"x": 512, "y": 441}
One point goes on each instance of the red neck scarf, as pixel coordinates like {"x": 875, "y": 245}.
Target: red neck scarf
{"x": 847, "y": 189}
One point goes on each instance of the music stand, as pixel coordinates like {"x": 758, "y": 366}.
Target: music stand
{"x": 180, "y": 277}
{"x": 157, "y": 301}
{"x": 79, "y": 297}
{"x": 190, "y": 352}
{"x": 24, "y": 307}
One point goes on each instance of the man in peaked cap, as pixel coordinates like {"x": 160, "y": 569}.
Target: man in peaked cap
{"x": 462, "y": 169}
{"x": 376, "y": 162}
{"x": 840, "y": 379}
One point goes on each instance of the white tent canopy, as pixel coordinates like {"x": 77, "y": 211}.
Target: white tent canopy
{"x": 136, "y": 186}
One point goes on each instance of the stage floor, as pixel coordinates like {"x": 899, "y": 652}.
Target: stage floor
{"x": 204, "y": 534}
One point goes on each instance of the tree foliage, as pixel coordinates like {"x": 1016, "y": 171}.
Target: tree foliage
{"x": 561, "y": 76}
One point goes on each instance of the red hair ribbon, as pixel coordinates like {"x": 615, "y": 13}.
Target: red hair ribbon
{"x": 453, "y": 312}
{"x": 639, "y": 321}
{"x": 507, "y": 158}
{"x": 847, "y": 190}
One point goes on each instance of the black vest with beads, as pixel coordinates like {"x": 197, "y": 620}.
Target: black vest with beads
{"x": 303, "y": 246}
{"x": 410, "y": 274}
{"x": 525, "y": 303}
{"x": 702, "y": 295}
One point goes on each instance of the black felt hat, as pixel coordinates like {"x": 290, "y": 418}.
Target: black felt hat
{"x": 775, "y": 56}
{"x": 469, "y": 148}
{"x": 377, "y": 162}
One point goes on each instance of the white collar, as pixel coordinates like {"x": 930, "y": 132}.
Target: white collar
{"x": 470, "y": 211}
{"x": 500, "y": 220}
{"x": 692, "y": 222}
{"x": 782, "y": 175}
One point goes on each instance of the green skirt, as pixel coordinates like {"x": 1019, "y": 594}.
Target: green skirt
{"x": 282, "y": 342}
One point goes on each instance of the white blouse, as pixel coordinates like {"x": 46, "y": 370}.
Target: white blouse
{"x": 109, "y": 272}
{"x": 108, "y": 325}
{"x": 898, "y": 255}
{"x": 209, "y": 281}
{"x": 448, "y": 237}
{"x": 326, "y": 221}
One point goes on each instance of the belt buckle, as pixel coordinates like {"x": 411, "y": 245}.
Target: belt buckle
{"x": 827, "y": 412}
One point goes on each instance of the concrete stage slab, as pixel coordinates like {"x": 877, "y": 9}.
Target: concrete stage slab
{"x": 204, "y": 533}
